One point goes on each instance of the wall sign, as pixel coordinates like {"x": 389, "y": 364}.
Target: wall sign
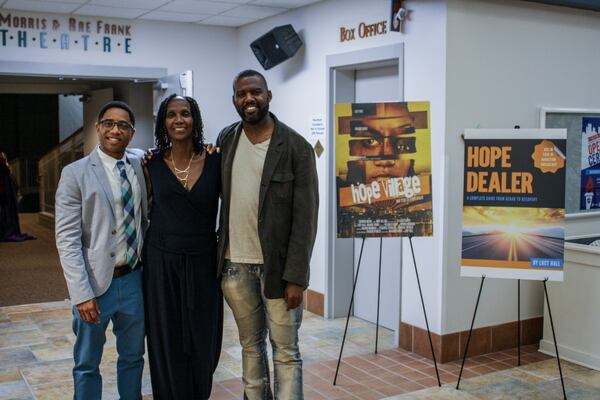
{"x": 363, "y": 30}
{"x": 22, "y": 30}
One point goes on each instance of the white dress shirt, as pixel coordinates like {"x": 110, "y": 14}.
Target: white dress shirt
{"x": 114, "y": 177}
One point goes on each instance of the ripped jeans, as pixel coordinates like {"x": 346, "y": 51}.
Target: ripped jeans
{"x": 254, "y": 315}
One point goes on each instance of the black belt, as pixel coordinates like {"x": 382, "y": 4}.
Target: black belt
{"x": 122, "y": 270}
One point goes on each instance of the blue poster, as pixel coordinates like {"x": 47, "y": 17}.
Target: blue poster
{"x": 590, "y": 164}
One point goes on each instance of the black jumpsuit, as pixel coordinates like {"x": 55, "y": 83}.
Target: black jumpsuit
{"x": 183, "y": 300}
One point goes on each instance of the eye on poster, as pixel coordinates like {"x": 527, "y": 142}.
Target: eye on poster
{"x": 513, "y": 203}
{"x": 590, "y": 164}
{"x": 383, "y": 169}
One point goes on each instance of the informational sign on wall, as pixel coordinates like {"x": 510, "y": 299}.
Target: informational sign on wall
{"x": 513, "y": 203}
{"x": 383, "y": 169}
{"x": 64, "y": 32}
{"x": 590, "y": 164}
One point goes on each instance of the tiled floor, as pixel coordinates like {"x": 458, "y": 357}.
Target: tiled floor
{"x": 36, "y": 346}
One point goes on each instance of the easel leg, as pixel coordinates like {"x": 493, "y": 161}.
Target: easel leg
{"x": 437, "y": 373}
{"x": 378, "y": 294}
{"x": 562, "y": 382}
{"x": 519, "y": 322}
{"x": 470, "y": 332}
{"x": 349, "y": 310}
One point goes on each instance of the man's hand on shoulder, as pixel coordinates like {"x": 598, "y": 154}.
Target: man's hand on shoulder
{"x": 89, "y": 311}
{"x": 293, "y": 295}
{"x": 211, "y": 148}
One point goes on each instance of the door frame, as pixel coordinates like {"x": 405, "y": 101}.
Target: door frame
{"x": 87, "y": 71}
{"x": 340, "y": 252}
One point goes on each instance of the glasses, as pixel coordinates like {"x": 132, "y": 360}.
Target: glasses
{"x": 122, "y": 126}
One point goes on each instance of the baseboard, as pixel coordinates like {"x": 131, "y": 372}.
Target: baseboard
{"x": 489, "y": 339}
{"x": 314, "y": 302}
{"x": 570, "y": 354}
{"x": 46, "y": 219}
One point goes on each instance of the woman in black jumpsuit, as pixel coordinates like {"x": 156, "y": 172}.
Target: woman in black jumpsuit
{"x": 183, "y": 300}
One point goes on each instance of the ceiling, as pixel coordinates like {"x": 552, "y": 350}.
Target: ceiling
{"x": 233, "y": 13}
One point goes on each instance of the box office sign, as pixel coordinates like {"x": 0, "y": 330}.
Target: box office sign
{"x": 67, "y": 33}
{"x": 383, "y": 169}
{"x": 513, "y": 203}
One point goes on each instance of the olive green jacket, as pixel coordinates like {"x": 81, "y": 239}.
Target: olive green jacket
{"x": 287, "y": 207}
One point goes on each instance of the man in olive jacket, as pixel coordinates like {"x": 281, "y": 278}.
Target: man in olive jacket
{"x": 269, "y": 223}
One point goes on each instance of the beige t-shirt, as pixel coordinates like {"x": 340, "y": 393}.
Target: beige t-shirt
{"x": 246, "y": 173}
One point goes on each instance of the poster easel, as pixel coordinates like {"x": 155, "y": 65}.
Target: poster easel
{"x": 511, "y": 230}
{"x": 518, "y": 335}
{"x": 378, "y": 303}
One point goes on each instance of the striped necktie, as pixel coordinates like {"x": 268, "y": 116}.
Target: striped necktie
{"x": 129, "y": 217}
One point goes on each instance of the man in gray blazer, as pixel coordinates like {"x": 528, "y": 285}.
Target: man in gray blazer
{"x": 101, "y": 216}
{"x": 269, "y": 222}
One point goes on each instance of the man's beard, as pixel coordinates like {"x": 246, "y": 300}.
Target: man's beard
{"x": 257, "y": 117}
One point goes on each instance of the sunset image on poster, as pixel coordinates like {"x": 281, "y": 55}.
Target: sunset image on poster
{"x": 513, "y": 204}
{"x": 512, "y": 237}
{"x": 383, "y": 169}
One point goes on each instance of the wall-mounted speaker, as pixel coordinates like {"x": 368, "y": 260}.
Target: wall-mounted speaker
{"x": 276, "y": 46}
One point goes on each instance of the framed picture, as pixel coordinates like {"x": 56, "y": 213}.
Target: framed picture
{"x": 582, "y": 217}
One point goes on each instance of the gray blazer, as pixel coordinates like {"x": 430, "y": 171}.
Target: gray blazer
{"x": 287, "y": 207}
{"x": 86, "y": 224}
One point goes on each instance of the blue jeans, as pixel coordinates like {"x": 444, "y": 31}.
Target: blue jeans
{"x": 123, "y": 304}
{"x": 254, "y": 315}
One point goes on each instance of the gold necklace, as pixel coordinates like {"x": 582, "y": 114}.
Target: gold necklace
{"x": 182, "y": 174}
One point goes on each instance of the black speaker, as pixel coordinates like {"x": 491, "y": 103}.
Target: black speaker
{"x": 276, "y": 46}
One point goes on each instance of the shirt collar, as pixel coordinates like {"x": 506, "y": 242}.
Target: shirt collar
{"x": 109, "y": 161}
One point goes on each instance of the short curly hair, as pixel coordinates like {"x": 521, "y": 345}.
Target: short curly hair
{"x": 161, "y": 138}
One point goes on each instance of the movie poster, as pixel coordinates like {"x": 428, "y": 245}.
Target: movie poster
{"x": 383, "y": 169}
{"x": 513, "y": 203}
{"x": 590, "y": 164}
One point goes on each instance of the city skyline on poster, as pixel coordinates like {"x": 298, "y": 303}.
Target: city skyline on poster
{"x": 383, "y": 169}
{"x": 513, "y": 214}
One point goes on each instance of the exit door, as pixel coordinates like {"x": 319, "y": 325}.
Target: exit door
{"x": 378, "y": 84}
{"x": 363, "y": 76}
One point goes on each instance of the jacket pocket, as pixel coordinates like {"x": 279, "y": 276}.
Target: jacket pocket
{"x": 282, "y": 186}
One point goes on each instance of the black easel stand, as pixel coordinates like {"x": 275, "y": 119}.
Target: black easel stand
{"x": 424, "y": 312}
{"x": 519, "y": 322}
{"x": 470, "y": 332}
{"x": 349, "y": 310}
{"x": 378, "y": 301}
{"x": 562, "y": 382}
{"x": 378, "y": 294}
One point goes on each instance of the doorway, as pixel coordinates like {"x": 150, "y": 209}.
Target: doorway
{"x": 77, "y": 98}
{"x": 364, "y": 76}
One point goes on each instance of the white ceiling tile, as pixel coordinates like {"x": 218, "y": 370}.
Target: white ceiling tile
{"x": 248, "y": 11}
{"x": 113, "y": 12}
{"x": 142, "y": 4}
{"x": 41, "y": 6}
{"x": 222, "y": 20}
{"x": 176, "y": 17}
{"x": 283, "y": 3}
{"x": 196, "y": 6}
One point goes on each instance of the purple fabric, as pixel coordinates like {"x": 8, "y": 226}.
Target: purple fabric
{"x": 9, "y": 215}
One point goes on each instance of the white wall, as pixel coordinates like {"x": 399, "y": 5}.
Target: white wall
{"x": 70, "y": 115}
{"x": 505, "y": 60}
{"x": 299, "y": 91}
{"x": 209, "y": 51}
